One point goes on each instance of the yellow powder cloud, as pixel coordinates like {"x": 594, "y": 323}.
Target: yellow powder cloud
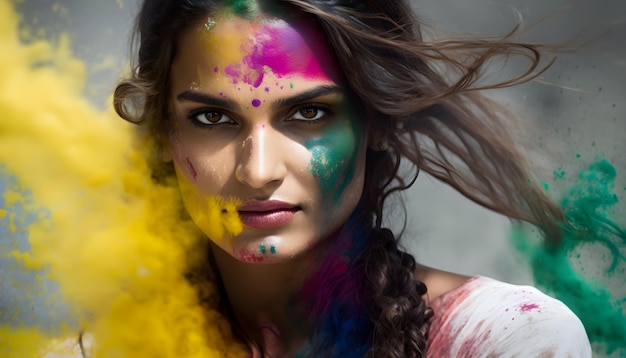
{"x": 113, "y": 239}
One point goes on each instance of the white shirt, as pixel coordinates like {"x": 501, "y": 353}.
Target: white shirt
{"x": 488, "y": 318}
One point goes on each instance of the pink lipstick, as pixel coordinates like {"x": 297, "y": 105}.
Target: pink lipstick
{"x": 267, "y": 214}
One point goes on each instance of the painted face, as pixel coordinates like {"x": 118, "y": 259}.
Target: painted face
{"x": 268, "y": 149}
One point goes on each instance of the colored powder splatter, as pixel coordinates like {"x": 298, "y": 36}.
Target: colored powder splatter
{"x": 559, "y": 174}
{"x": 563, "y": 270}
{"x": 276, "y": 48}
{"x": 333, "y": 157}
{"x": 528, "y": 307}
{"x": 250, "y": 256}
{"x": 216, "y": 216}
{"x": 287, "y": 52}
{"x": 82, "y": 222}
{"x": 192, "y": 169}
{"x": 244, "y": 7}
{"x": 256, "y": 102}
{"x": 335, "y": 291}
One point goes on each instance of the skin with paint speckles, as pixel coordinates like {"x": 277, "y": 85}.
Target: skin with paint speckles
{"x": 247, "y": 59}
{"x": 293, "y": 139}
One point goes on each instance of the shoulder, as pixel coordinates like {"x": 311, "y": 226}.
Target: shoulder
{"x": 438, "y": 282}
{"x": 484, "y": 317}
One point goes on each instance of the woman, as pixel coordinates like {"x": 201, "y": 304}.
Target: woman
{"x": 285, "y": 123}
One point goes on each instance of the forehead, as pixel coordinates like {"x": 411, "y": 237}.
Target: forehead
{"x": 245, "y": 50}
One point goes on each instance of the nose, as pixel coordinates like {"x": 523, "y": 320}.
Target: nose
{"x": 261, "y": 160}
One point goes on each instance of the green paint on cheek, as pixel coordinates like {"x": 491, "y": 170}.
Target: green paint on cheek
{"x": 273, "y": 250}
{"x": 262, "y": 249}
{"x": 333, "y": 157}
{"x": 561, "y": 270}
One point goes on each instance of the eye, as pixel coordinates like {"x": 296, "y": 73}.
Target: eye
{"x": 310, "y": 114}
{"x": 210, "y": 118}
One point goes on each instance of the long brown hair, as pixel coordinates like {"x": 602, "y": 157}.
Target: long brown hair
{"x": 422, "y": 104}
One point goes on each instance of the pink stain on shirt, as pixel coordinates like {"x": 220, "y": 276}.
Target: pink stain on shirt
{"x": 528, "y": 307}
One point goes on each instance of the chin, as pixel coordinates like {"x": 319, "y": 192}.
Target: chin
{"x": 272, "y": 249}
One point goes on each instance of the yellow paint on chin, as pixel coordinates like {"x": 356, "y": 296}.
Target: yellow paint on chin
{"x": 216, "y": 216}
{"x": 114, "y": 240}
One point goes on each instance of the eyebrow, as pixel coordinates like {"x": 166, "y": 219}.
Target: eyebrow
{"x": 308, "y": 95}
{"x": 195, "y": 96}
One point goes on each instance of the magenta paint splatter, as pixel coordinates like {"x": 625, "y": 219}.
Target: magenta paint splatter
{"x": 221, "y": 94}
{"x": 287, "y": 52}
{"x": 192, "y": 169}
{"x": 283, "y": 50}
{"x": 250, "y": 256}
{"x": 232, "y": 70}
{"x": 216, "y": 69}
{"x": 267, "y": 89}
{"x": 256, "y": 102}
{"x": 528, "y": 307}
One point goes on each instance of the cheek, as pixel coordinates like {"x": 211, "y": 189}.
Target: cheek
{"x": 205, "y": 163}
{"x": 335, "y": 158}
{"x": 215, "y": 215}
{"x": 184, "y": 161}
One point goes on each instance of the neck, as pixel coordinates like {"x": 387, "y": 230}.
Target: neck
{"x": 264, "y": 299}
{"x": 276, "y": 305}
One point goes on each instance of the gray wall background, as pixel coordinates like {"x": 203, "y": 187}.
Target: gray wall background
{"x": 577, "y": 106}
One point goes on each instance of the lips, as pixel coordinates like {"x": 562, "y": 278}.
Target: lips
{"x": 267, "y": 214}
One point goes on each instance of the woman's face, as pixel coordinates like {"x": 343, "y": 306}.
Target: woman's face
{"x": 263, "y": 125}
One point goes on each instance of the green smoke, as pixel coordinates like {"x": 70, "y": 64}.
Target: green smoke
{"x": 562, "y": 271}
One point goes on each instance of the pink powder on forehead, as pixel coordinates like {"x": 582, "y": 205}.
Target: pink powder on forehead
{"x": 284, "y": 51}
